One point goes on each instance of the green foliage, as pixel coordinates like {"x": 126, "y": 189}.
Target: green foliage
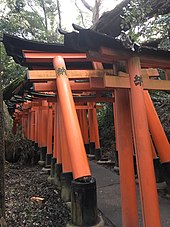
{"x": 10, "y": 70}
{"x": 30, "y": 19}
{"x": 144, "y": 23}
{"x": 106, "y": 127}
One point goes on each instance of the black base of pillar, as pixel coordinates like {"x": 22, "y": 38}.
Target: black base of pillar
{"x": 158, "y": 170}
{"x": 98, "y": 154}
{"x": 43, "y": 152}
{"x": 48, "y": 160}
{"x": 66, "y": 179}
{"x": 36, "y": 147}
{"x": 52, "y": 171}
{"x": 57, "y": 175}
{"x": 116, "y": 158}
{"x": 166, "y": 173}
{"x": 53, "y": 162}
{"x": 92, "y": 148}
{"x": 36, "y": 156}
{"x": 84, "y": 202}
{"x": 87, "y": 148}
{"x": 135, "y": 165}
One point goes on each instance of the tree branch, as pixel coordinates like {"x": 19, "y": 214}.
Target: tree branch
{"x": 110, "y": 22}
{"x": 35, "y": 11}
{"x": 45, "y": 15}
{"x": 81, "y": 14}
{"x": 87, "y": 5}
{"x": 59, "y": 13}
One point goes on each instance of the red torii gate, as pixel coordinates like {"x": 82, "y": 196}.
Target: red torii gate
{"x": 128, "y": 105}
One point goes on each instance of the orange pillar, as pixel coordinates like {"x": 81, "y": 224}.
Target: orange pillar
{"x": 157, "y": 131}
{"x": 73, "y": 134}
{"x": 66, "y": 161}
{"x": 116, "y": 156}
{"x": 86, "y": 131}
{"x": 40, "y": 126}
{"x": 43, "y": 150}
{"x": 58, "y": 122}
{"x": 49, "y": 134}
{"x": 44, "y": 122}
{"x": 91, "y": 129}
{"x": 36, "y": 125}
{"x": 96, "y": 134}
{"x": 126, "y": 168}
{"x": 56, "y": 150}
{"x": 28, "y": 125}
{"x": 32, "y": 125}
{"x": 147, "y": 184}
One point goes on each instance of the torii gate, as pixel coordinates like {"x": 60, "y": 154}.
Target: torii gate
{"x": 130, "y": 99}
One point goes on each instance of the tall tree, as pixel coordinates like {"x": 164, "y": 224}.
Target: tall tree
{"x": 2, "y": 155}
{"x": 31, "y": 19}
{"x": 94, "y": 9}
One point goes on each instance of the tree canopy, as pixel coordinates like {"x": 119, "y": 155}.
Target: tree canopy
{"x": 144, "y": 20}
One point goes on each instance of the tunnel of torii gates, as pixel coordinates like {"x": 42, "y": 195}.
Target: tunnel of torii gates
{"x": 56, "y": 107}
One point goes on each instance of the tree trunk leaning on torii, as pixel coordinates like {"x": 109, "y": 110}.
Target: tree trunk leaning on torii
{"x": 110, "y": 22}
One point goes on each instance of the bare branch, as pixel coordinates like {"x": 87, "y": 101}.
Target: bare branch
{"x": 35, "y": 11}
{"x": 59, "y": 13}
{"x": 81, "y": 14}
{"x": 45, "y": 15}
{"x": 87, "y": 5}
{"x": 96, "y": 11}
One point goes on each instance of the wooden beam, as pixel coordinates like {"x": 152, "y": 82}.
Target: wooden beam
{"x": 167, "y": 74}
{"x": 146, "y": 61}
{"x": 162, "y": 85}
{"x": 85, "y": 107}
{"x": 43, "y": 55}
{"x": 46, "y": 75}
{"x": 81, "y": 100}
{"x": 151, "y": 72}
{"x": 97, "y": 83}
{"x": 51, "y": 86}
{"x": 148, "y": 84}
{"x": 116, "y": 82}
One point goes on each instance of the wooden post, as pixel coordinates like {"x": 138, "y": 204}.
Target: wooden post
{"x": 36, "y": 125}
{"x": 66, "y": 162}
{"x": 32, "y": 125}
{"x": 96, "y": 134}
{"x": 116, "y": 156}
{"x": 126, "y": 168}
{"x": 73, "y": 134}
{"x": 49, "y": 134}
{"x": 149, "y": 196}
{"x": 40, "y": 126}
{"x": 86, "y": 131}
{"x": 157, "y": 131}
{"x": 28, "y": 125}
{"x": 91, "y": 129}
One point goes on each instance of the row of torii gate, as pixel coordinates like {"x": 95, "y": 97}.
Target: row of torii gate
{"x": 62, "y": 112}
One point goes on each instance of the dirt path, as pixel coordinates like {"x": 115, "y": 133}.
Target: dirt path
{"x": 23, "y": 183}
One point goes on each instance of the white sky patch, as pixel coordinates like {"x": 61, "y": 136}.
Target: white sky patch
{"x": 69, "y": 11}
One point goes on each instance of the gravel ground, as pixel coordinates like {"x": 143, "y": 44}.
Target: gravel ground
{"x": 24, "y": 183}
